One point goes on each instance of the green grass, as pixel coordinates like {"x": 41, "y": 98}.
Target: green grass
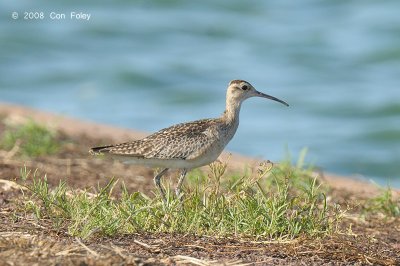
{"x": 384, "y": 204}
{"x": 31, "y": 138}
{"x": 269, "y": 202}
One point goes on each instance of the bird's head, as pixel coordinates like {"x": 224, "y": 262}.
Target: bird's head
{"x": 240, "y": 90}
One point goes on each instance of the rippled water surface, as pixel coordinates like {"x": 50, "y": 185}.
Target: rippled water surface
{"x": 149, "y": 64}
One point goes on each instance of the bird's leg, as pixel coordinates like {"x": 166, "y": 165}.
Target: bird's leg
{"x": 180, "y": 182}
{"x": 157, "y": 181}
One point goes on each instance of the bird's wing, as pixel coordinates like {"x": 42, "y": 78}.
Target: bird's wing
{"x": 182, "y": 141}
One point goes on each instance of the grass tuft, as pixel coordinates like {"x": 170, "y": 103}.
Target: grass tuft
{"x": 31, "y": 138}
{"x": 270, "y": 202}
{"x": 384, "y": 203}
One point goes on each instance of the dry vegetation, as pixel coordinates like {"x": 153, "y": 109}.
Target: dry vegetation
{"x": 71, "y": 211}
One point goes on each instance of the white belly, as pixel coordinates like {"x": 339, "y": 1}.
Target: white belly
{"x": 168, "y": 163}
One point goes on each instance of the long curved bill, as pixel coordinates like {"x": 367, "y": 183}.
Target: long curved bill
{"x": 263, "y": 95}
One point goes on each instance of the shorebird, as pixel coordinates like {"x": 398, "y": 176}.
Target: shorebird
{"x": 188, "y": 145}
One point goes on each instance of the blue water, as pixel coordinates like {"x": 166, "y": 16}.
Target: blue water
{"x": 149, "y": 64}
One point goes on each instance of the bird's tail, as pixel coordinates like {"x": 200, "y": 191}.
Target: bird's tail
{"x": 100, "y": 150}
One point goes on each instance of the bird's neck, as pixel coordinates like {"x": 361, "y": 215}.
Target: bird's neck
{"x": 231, "y": 114}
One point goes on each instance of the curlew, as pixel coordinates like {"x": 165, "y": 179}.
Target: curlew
{"x": 188, "y": 145}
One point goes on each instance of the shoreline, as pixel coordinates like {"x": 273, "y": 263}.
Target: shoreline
{"x": 77, "y": 127}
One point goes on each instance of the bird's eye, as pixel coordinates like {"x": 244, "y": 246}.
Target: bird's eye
{"x": 245, "y": 87}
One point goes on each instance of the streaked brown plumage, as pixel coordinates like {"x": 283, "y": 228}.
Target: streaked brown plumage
{"x": 181, "y": 141}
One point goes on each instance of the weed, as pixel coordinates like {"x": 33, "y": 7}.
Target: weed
{"x": 281, "y": 203}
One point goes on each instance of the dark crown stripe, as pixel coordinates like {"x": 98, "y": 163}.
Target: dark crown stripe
{"x": 237, "y": 81}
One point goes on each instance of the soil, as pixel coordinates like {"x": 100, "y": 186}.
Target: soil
{"x": 374, "y": 240}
